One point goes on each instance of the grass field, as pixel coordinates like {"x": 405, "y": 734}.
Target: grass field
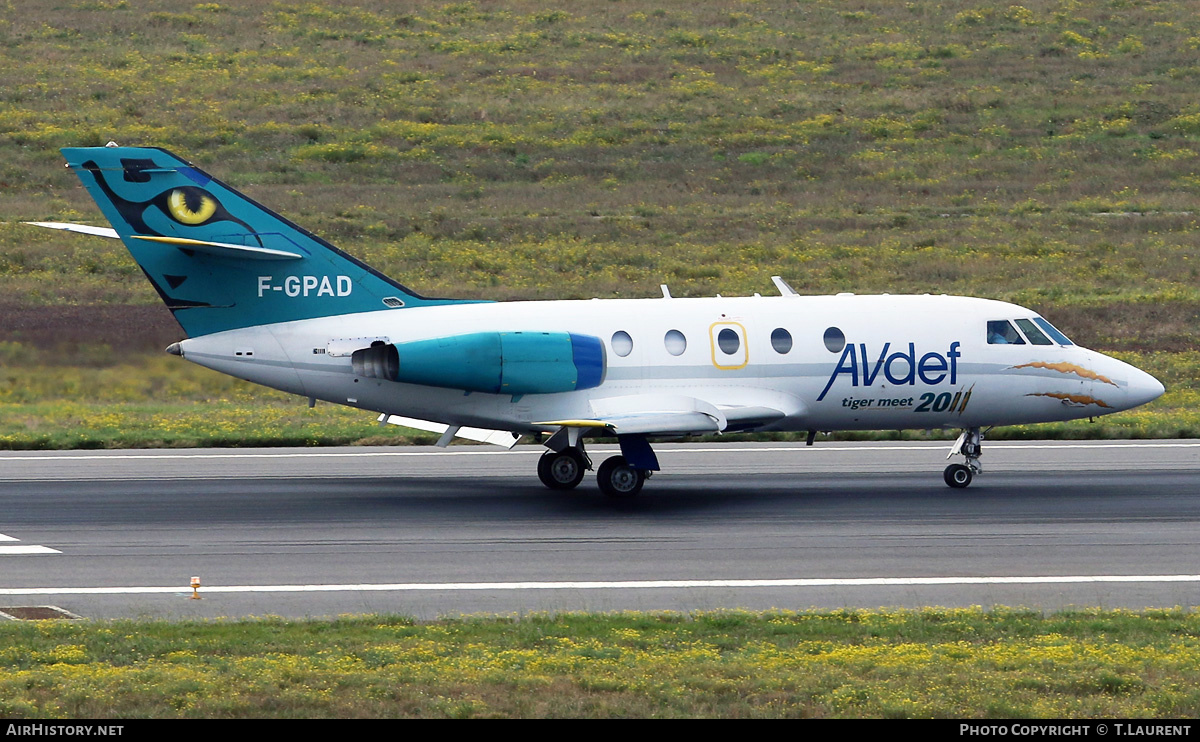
{"x": 960, "y": 663}
{"x": 1044, "y": 153}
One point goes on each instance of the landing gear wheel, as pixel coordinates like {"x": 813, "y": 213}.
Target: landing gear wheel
{"x": 561, "y": 470}
{"x": 619, "y": 479}
{"x": 958, "y": 476}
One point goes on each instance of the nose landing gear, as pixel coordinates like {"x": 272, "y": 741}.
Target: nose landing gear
{"x": 970, "y": 446}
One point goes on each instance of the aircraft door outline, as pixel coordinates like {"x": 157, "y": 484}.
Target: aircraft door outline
{"x": 728, "y": 342}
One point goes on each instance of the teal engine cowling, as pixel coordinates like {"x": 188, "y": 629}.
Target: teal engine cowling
{"x": 492, "y": 362}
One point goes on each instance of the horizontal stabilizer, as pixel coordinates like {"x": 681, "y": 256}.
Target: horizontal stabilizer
{"x": 223, "y": 249}
{"x": 481, "y": 435}
{"x": 81, "y": 228}
{"x": 220, "y": 249}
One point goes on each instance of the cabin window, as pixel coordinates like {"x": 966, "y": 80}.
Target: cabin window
{"x": 781, "y": 340}
{"x": 675, "y": 341}
{"x": 835, "y": 340}
{"x": 622, "y": 344}
{"x": 1001, "y": 332}
{"x": 728, "y": 341}
{"x": 1058, "y": 337}
{"x": 1036, "y": 336}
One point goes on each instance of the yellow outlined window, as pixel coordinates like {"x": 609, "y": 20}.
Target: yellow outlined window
{"x": 729, "y": 349}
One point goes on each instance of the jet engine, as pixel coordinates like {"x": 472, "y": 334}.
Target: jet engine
{"x": 492, "y": 362}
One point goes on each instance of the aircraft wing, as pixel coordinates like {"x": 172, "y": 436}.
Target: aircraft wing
{"x": 646, "y": 423}
{"x": 669, "y": 414}
{"x": 662, "y": 414}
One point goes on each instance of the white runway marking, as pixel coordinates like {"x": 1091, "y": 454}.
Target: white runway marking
{"x": 616, "y": 585}
{"x": 472, "y": 451}
{"x": 26, "y": 550}
{"x": 21, "y": 550}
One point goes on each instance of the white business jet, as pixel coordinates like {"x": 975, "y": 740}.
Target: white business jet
{"x": 264, "y": 300}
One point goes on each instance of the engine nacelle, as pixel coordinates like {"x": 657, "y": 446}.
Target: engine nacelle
{"x": 492, "y": 362}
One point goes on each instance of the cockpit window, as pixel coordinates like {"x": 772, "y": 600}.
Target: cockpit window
{"x": 1001, "y": 332}
{"x": 1033, "y": 333}
{"x": 1058, "y": 337}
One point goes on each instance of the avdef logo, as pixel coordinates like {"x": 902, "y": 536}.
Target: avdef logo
{"x": 900, "y": 368}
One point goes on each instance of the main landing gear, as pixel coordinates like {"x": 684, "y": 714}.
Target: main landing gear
{"x": 562, "y": 468}
{"x": 970, "y": 445}
{"x": 618, "y": 479}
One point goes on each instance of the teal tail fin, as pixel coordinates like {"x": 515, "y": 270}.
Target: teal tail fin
{"x": 219, "y": 260}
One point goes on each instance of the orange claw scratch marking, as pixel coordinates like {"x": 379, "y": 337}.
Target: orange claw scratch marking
{"x": 1068, "y": 368}
{"x": 1077, "y": 399}
{"x": 966, "y": 398}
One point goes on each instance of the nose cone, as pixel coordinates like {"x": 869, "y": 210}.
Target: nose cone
{"x": 1142, "y": 388}
{"x": 1136, "y": 386}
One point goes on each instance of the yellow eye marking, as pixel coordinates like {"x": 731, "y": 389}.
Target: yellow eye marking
{"x": 177, "y": 203}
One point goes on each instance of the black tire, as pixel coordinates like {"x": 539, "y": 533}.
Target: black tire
{"x": 957, "y": 476}
{"x": 561, "y": 470}
{"x": 619, "y": 479}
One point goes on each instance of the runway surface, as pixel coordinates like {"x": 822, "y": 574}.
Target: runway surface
{"x": 430, "y": 532}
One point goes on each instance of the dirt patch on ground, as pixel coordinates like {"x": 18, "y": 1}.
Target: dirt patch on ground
{"x": 135, "y": 328}
{"x": 35, "y": 613}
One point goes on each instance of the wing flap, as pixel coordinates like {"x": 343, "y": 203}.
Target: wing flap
{"x": 750, "y": 416}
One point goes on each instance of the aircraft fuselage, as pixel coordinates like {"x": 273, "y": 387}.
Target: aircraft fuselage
{"x": 826, "y": 362}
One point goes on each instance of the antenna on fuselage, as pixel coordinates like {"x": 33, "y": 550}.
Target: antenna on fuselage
{"x": 782, "y": 285}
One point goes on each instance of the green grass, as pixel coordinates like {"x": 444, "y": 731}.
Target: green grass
{"x": 1046, "y": 153}
{"x": 936, "y": 662}
{"x": 1032, "y": 153}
